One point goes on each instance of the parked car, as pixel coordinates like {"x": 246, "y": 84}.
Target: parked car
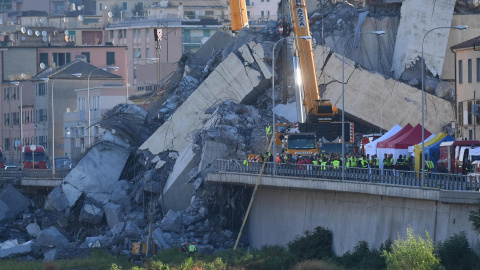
{"x": 12, "y": 167}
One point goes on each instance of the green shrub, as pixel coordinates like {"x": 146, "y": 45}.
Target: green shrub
{"x": 455, "y": 253}
{"x": 313, "y": 245}
{"x": 413, "y": 252}
{"x": 363, "y": 258}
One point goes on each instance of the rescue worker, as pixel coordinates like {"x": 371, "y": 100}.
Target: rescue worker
{"x": 184, "y": 247}
{"x": 386, "y": 162}
{"x": 267, "y": 157}
{"x": 336, "y": 164}
{"x": 192, "y": 249}
{"x": 400, "y": 163}
{"x": 278, "y": 160}
{"x": 353, "y": 161}
{"x": 268, "y": 132}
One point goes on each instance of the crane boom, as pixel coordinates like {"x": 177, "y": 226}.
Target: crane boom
{"x": 238, "y": 11}
{"x": 304, "y": 53}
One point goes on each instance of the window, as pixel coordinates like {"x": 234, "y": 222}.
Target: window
{"x": 137, "y": 52}
{"x": 110, "y": 58}
{"x": 120, "y": 34}
{"x": 16, "y": 118}
{"x": 134, "y": 33}
{"x": 41, "y": 89}
{"x": 7, "y": 144}
{"x": 14, "y": 93}
{"x": 100, "y": 7}
{"x": 87, "y": 54}
{"x": 478, "y": 69}
{"x": 6, "y": 93}
{"x": 112, "y": 34}
{"x": 469, "y": 70}
{"x": 209, "y": 13}
{"x": 268, "y": 14}
{"x": 59, "y": 8}
{"x": 206, "y": 33}
{"x": 262, "y": 13}
{"x": 147, "y": 54}
{"x": 124, "y": 33}
{"x": 460, "y": 113}
{"x": 41, "y": 115}
{"x": 469, "y": 112}
{"x": 60, "y": 59}
{"x": 124, "y": 6}
{"x": 6, "y": 119}
{"x": 460, "y": 72}
{"x": 189, "y": 14}
{"x": 147, "y": 33}
{"x": 44, "y": 58}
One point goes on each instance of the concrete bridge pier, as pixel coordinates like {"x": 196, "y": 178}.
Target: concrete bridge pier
{"x": 286, "y": 207}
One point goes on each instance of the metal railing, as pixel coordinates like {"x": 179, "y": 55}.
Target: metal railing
{"x": 45, "y": 173}
{"x": 36, "y": 174}
{"x": 444, "y": 181}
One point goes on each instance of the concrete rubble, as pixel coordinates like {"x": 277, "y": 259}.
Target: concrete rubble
{"x": 153, "y": 161}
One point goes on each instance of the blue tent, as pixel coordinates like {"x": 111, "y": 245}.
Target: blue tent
{"x": 433, "y": 151}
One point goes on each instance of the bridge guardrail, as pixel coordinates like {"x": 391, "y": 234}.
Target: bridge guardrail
{"x": 443, "y": 181}
{"x": 45, "y": 173}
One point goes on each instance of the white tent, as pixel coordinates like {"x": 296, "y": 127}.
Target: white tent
{"x": 371, "y": 148}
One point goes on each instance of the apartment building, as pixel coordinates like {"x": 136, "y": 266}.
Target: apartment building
{"x": 467, "y": 85}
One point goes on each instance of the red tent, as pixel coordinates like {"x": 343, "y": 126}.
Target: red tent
{"x": 399, "y": 134}
{"x": 412, "y": 137}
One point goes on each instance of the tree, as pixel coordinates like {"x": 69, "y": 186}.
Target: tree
{"x": 474, "y": 218}
{"x": 413, "y": 252}
{"x": 116, "y": 10}
{"x": 138, "y": 10}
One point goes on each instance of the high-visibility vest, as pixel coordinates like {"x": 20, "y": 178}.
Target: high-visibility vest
{"x": 386, "y": 162}
{"x": 353, "y": 162}
{"x": 364, "y": 163}
{"x": 336, "y": 164}
{"x": 268, "y": 130}
{"x": 245, "y": 162}
{"x": 323, "y": 165}
{"x": 315, "y": 162}
{"x": 192, "y": 248}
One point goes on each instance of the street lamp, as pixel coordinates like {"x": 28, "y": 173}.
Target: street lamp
{"x": 16, "y": 83}
{"x": 273, "y": 95}
{"x": 88, "y": 96}
{"x": 378, "y": 33}
{"x": 153, "y": 59}
{"x": 53, "y": 119}
{"x": 459, "y": 27}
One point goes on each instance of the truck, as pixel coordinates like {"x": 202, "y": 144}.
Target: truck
{"x": 454, "y": 155}
{"x": 34, "y": 157}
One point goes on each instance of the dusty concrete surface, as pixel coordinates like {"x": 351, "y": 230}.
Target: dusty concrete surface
{"x": 417, "y": 18}
{"x": 278, "y": 215}
{"x": 371, "y": 98}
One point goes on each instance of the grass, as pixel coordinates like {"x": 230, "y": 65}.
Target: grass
{"x": 98, "y": 259}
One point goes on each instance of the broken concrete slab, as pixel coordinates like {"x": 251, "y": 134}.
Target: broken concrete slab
{"x": 33, "y": 229}
{"x": 158, "y": 239}
{"x": 91, "y": 213}
{"x": 231, "y": 80}
{"x": 113, "y": 213}
{"x": 12, "y": 203}
{"x": 91, "y": 176}
{"x": 51, "y": 237}
{"x": 50, "y": 255}
{"x": 13, "y": 248}
{"x": 373, "y": 99}
{"x": 177, "y": 192}
{"x": 56, "y": 200}
{"x": 171, "y": 222}
{"x": 411, "y": 35}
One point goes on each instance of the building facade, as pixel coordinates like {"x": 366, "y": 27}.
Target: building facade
{"x": 467, "y": 85}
